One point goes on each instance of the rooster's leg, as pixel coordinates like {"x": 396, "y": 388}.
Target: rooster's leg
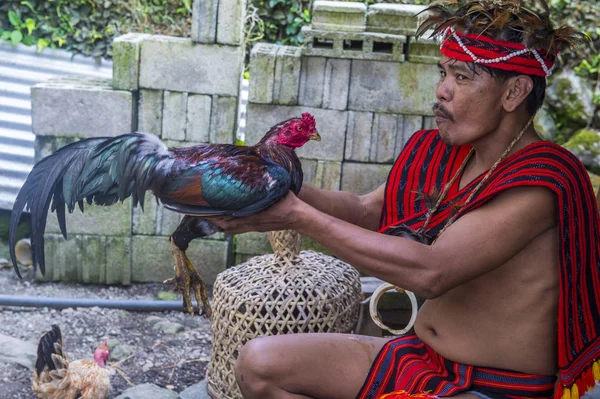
{"x": 188, "y": 281}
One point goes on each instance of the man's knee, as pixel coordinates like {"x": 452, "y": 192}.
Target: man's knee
{"x": 255, "y": 367}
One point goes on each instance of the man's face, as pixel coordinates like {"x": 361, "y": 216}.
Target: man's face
{"x": 469, "y": 103}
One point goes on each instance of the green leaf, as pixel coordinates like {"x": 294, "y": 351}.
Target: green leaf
{"x": 14, "y": 19}
{"x": 5, "y": 35}
{"x": 15, "y": 37}
{"x": 166, "y": 296}
{"x": 42, "y": 44}
{"x": 29, "y": 40}
{"x": 30, "y": 25}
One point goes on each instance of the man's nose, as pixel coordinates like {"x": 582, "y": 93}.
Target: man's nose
{"x": 443, "y": 91}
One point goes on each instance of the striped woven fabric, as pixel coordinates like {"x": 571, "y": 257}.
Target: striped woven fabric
{"x": 427, "y": 163}
{"x": 407, "y": 366}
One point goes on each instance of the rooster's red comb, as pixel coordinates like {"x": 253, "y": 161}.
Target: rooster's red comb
{"x": 309, "y": 120}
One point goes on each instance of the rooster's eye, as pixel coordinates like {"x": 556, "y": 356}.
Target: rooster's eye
{"x": 299, "y": 128}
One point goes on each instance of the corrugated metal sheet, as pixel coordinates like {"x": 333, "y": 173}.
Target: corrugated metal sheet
{"x": 20, "y": 68}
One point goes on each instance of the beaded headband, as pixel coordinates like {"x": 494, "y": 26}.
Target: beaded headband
{"x": 497, "y": 54}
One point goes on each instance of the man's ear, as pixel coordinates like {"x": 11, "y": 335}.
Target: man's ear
{"x": 517, "y": 90}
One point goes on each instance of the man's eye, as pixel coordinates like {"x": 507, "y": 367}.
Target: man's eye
{"x": 442, "y": 74}
{"x": 461, "y": 77}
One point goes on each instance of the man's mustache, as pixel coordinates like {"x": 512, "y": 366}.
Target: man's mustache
{"x": 442, "y": 110}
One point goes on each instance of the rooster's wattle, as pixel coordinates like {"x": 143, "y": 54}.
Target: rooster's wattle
{"x": 200, "y": 181}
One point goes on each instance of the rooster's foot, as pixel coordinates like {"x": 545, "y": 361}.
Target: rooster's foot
{"x": 188, "y": 281}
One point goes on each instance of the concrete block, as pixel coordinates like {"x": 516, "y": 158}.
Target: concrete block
{"x": 399, "y": 19}
{"x": 178, "y": 64}
{"x": 150, "y": 111}
{"x": 358, "y": 136}
{"x": 423, "y": 50}
{"x": 312, "y": 80}
{"x": 223, "y": 120}
{"x": 155, "y": 219}
{"x": 174, "y": 115}
{"x": 385, "y": 135}
{"x": 126, "y": 61}
{"x": 88, "y": 107}
{"x": 114, "y": 220}
{"x": 152, "y": 260}
{"x": 230, "y": 22}
{"x": 92, "y": 259}
{"x": 47, "y": 145}
{"x": 399, "y": 88}
{"x": 429, "y": 123}
{"x": 61, "y": 259}
{"x": 361, "y": 178}
{"x": 339, "y": 16}
{"x": 410, "y": 125}
{"x": 322, "y": 174}
{"x": 262, "y": 73}
{"x": 252, "y": 243}
{"x": 354, "y": 45}
{"x": 204, "y": 21}
{"x": 118, "y": 260}
{"x": 337, "y": 84}
{"x": 330, "y": 123}
{"x": 198, "y": 118}
{"x": 287, "y": 75}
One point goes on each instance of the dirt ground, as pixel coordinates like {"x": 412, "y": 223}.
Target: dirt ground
{"x": 171, "y": 360}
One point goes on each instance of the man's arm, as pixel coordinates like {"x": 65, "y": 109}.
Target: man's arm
{"x": 475, "y": 244}
{"x": 363, "y": 210}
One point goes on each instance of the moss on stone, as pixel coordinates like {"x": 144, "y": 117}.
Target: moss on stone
{"x": 585, "y": 144}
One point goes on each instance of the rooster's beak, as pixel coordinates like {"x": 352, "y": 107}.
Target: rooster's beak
{"x": 315, "y": 136}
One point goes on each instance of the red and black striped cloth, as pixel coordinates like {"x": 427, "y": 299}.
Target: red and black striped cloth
{"x": 427, "y": 162}
{"x": 407, "y": 365}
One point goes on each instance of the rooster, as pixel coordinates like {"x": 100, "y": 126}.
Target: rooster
{"x": 206, "y": 180}
{"x": 55, "y": 377}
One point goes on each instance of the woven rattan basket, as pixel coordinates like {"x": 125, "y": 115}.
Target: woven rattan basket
{"x": 284, "y": 293}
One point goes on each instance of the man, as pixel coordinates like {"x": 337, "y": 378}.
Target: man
{"x": 503, "y": 208}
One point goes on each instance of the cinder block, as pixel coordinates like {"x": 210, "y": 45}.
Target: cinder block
{"x": 399, "y": 19}
{"x": 429, "y": 123}
{"x": 330, "y": 123}
{"x": 86, "y": 108}
{"x": 47, "y": 145}
{"x": 262, "y": 73}
{"x": 410, "y": 125}
{"x": 322, "y": 174}
{"x": 174, "y": 115}
{"x": 114, "y": 220}
{"x": 337, "y": 84}
{"x": 252, "y": 243}
{"x": 385, "y": 135}
{"x": 287, "y": 75}
{"x": 198, "y": 118}
{"x": 354, "y": 45}
{"x": 388, "y": 87}
{"x": 423, "y": 50}
{"x": 204, "y": 21}
{"x": 223, "y": 120}
{"x": 155, "y": 219}
{"x": 61, "y": 259}
{"x": 363, "y": 178}
{"x": 118, "y": 260}
{"x": 339, "y": 16}
{"x": 178, "y": 64}
{"x": 126, "y": 61}
{"x": 230, "y": 22}
{"x": 358, "y": 136}
{"x": 150, "y": 111}
{"x": 312, "y": 80}
{"x": 152, "y": 260}
{"x": 92, "y": 259}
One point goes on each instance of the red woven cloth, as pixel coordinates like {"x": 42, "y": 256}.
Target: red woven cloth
{"x": 485, "y": 49}
{"x": 407, "y": 368}
{"x": 427, "y": 163}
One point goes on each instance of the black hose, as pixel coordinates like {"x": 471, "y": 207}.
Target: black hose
{"x": 62, "y": 303}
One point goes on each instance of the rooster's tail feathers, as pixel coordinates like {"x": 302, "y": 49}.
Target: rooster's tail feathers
{"x": 49, "y": 352}
{"x": 97, "y": 170}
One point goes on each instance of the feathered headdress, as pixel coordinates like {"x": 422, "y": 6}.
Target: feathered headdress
{"x": 501, "y": 33}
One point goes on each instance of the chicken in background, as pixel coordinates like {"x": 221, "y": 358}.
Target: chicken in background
{"x": 54, "y": 377}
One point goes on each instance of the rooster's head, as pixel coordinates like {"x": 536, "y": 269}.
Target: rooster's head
{"x": 101, "y": 354}
{"x": 294, "y": 132}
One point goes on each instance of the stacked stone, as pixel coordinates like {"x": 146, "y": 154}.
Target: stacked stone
{"x": 366, "y": 80}
{"x": 183, "y": 90}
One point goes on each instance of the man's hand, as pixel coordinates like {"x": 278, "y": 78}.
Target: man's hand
{"x": 283, "y": 215}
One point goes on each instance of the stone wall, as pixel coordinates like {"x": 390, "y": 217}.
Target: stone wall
{"x": 369, "y": 84}
{"x": 185, "y": 91}
{"x": 367, "y": 81}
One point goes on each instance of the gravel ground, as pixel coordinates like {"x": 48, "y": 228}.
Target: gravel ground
{"x": 147, "y": 354}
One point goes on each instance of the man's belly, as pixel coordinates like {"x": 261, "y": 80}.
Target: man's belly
{"x": 487, "y": 333}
